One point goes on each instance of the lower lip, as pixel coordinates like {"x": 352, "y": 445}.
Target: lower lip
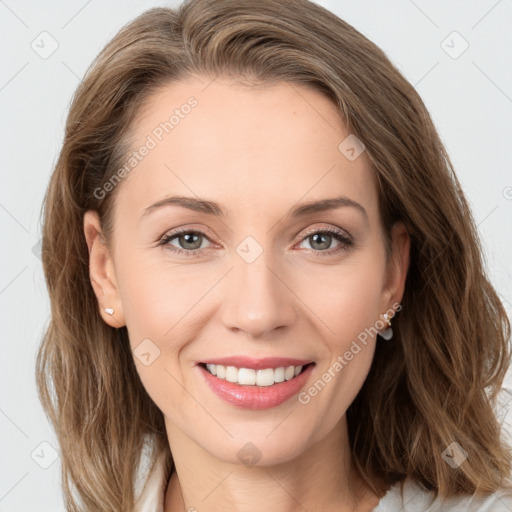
{"x": 256, "y": 397}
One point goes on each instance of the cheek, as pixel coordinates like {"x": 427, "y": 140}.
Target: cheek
{"x": 144, "y": 296}
{"x": 347, "y": 298}
{"x": 157, "y": 296}
{"x": 348, "y": 307}
{"x": 349, "y": 310}
{"x": 357, "y": 303}
{"x": 158, "y": 303}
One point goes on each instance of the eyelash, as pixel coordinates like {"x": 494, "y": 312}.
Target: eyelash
{"x": 345, "y": 242}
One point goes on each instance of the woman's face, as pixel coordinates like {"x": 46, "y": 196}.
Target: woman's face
{"x": 254, "y": 281}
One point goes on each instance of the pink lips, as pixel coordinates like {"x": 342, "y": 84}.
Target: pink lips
{"x": 256, "y": 397}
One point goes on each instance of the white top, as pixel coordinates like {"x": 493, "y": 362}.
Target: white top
{"x": 151, "y": 497}
{"x": 415, "y": 499}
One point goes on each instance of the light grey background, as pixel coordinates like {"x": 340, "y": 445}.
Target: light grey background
{"x": 469, "y": 97}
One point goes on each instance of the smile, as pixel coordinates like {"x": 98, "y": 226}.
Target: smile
{"x": 251, "y": 388}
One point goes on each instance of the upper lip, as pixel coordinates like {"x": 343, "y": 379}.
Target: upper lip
{"x": 257, "y": 364}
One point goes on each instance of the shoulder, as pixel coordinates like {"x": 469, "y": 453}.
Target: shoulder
{"x": 416, "y": 499}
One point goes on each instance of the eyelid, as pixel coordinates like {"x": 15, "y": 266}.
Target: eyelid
{"x": 208, "y": 233}
{"x": 329, "y": 229}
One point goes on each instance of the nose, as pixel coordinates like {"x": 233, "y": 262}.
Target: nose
{"x": 257, "y": 298}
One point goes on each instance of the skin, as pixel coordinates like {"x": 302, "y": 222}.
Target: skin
{"x": 257, "y": 152}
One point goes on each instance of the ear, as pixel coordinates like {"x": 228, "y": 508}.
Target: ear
{"x": 101, "y": 271}
{"x": 398, "y": 265}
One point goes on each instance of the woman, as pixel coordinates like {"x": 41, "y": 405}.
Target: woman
{"x": 328, "y": 341}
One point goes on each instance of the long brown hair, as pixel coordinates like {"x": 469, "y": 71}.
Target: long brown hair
{"x": 434, "y": 384}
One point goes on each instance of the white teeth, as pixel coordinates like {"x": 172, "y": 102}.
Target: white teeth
{"x": 250, "y": 377}
{"x": 289, "y": 373}
{"x": 247, "y": 377}
{"x": 231, "y": 374}
{"x": 221, "y": 371}
{"x": 265, "y": 377}
{"x": 279, "y": 374}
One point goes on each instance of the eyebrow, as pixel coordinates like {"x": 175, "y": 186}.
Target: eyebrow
{"x": 213, "y": 208}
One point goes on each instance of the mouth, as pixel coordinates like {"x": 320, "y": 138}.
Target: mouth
{"x": 264, "y": 377}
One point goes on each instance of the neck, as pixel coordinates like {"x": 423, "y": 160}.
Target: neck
{"x": 321, "y": 478}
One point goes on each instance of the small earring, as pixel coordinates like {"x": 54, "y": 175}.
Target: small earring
{"x": 387, "y": 333}
{"x": 109, "y": 311}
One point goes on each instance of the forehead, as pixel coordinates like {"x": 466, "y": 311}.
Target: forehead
{"x": 265, "y": 147}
